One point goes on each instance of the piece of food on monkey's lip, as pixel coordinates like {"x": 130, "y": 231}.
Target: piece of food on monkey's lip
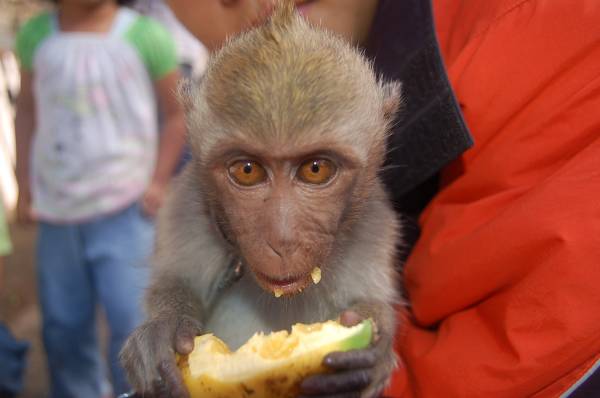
{"x": 267, "y": 366}
{"x": 316, "y": 275}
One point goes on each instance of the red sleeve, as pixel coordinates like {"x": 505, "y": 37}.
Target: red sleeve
{"x": 504, "y": 282}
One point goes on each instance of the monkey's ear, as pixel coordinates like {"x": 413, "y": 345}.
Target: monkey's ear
{"x": 392, "y": 99}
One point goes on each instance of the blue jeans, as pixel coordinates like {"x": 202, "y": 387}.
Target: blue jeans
{"x": 12, "y": 363}
{"x": 80, "y": 265}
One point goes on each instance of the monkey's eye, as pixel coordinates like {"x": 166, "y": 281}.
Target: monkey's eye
{"x": 316, "y": 171}
{"x": 247, "y": 172}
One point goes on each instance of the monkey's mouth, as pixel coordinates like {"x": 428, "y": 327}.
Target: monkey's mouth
{"x": 279, "y": 286}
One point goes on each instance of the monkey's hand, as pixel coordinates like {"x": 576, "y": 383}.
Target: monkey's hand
{"x": 357, "y": 373}
{"x": 148, "y": 355}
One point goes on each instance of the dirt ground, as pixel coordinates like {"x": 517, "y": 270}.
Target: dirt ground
{"x": 20, "y": 311}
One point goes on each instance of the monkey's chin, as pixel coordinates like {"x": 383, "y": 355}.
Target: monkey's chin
{"x": 287, "y": 286}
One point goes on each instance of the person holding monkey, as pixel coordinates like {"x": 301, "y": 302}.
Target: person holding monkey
{"x": 496, "y": 155}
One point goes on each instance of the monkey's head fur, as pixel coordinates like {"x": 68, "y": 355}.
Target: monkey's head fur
{"x": 288, "y": 131}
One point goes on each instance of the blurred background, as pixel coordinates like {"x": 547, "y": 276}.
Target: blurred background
{"x": 18, "y": 292}
{"x": 19, "y": 309}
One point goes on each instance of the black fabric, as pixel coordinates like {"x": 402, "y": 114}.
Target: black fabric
{"x": 430, "y": 131}
{"x": 589, "y": 388}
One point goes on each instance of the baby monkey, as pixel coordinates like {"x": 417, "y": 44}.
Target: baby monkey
{"x": 288, "y": 130}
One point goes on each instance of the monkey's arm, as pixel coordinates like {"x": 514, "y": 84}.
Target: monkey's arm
{"x": 174, "y": 319}
{"x": 187, "y": 263}
{"x": 359, "y": 373}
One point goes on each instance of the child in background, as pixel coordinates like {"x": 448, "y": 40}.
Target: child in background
{"x": 86, "y": 123}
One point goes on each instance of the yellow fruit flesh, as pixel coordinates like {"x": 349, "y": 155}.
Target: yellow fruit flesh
{"x": 267, "y": 366}
{"x": 316, "y": 275}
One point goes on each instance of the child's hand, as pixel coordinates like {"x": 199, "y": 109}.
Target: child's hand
{"x": 153, "y": 198}
{"x": 24, "y": 213}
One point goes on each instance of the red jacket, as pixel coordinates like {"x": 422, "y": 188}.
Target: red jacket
{"x": 504, "y": 281}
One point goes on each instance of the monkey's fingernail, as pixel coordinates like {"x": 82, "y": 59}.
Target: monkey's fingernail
{"x": 185, "y": 347}
{"x": 350, "y": 318}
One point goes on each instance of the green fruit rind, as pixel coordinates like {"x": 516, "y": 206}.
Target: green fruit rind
{"x": 361, "y": 339}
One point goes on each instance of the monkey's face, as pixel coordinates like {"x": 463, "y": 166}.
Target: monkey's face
{"x": 284, "y": 209}
{"x": 288, "y": 128}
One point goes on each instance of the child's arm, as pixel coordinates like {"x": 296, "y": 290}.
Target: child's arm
{"x": 172, "y": 140}
{"x": 24, "y": 129}
{"x": 5, "y": 244}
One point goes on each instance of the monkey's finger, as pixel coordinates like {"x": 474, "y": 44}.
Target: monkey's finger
{"x": 159, "y": 389}
{"x": 172, "y": 380}
{"x": 139, "y": 374}
{"x": 355, "y": 359}
{"x": 336, "y": 383}
{"x": 187, "y": 329}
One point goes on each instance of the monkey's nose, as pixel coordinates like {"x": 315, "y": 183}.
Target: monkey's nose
{"x": 283, "y": 250}
{"x": 274, "y": 250}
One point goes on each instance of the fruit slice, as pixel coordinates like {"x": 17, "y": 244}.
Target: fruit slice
{"x": 267, "y": 366}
